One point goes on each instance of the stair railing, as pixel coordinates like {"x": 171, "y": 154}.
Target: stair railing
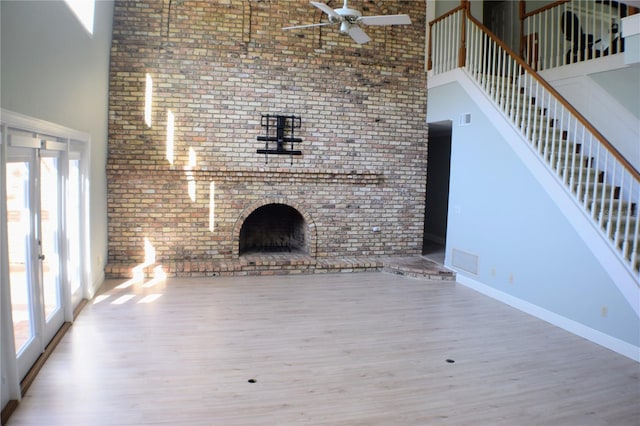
{"x": 448, "y": 52}
{"x": 599, "y": 178}
{"x": 570, "y": 31}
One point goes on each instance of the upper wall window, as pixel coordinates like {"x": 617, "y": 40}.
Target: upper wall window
{"x": 83, "y": 9}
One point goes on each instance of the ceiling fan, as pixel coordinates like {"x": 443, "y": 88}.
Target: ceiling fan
{"x": 350, "y": 20}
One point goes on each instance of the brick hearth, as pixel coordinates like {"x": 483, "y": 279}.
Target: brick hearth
{"x": 272, "y": 264}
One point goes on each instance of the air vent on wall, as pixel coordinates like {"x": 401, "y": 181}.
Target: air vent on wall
{"x": 465, "y": 261}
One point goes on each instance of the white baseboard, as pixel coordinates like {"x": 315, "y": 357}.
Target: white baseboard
{"x": 595, "y": 336}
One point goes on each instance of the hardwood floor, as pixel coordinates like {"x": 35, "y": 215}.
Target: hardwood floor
{"x": 333, "y": 349}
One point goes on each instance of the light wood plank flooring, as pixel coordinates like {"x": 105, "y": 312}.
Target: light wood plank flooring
{"x": 335, "y": 349}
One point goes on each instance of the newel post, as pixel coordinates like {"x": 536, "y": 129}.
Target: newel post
{"x": 462, "y": 53}
{"x": 521, "y": 12}
{"x": 429, "y": 59}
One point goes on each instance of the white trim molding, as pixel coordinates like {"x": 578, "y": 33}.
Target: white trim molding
{"x": 574, "y": 327}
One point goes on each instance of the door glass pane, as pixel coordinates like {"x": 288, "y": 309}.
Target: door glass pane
{"x": 49, "y": 201}
{"x": 18, "y": 225}
{"x": 73, "y": 226}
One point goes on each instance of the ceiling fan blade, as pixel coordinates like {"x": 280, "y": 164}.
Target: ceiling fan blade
{"x": 326, "y": 9}
{"x": 358, "y": 35}
{"x": 295, "y": 27}
{"x": 385, "y": 20}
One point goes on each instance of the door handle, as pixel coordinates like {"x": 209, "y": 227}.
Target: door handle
{"x": 41, "y": 256}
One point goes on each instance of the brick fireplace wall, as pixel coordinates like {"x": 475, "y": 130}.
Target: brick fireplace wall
{"x": 216, "y": 66}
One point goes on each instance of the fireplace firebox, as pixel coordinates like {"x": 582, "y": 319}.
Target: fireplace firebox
{"x": 273, "y": 228}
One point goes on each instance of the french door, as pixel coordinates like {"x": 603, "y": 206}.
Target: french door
{"x": 44, "y": 271}
{"x": 34, "y": 229}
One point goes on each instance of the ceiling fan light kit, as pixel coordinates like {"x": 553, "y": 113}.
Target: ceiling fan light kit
{"x": 351, "y": 19}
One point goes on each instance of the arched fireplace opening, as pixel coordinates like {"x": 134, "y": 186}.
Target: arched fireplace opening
{"x": 273, "y": 228}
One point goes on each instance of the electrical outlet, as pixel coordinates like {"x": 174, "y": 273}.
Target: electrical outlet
{"x": 376, "y": 229}
{"x": 604, "y": 311}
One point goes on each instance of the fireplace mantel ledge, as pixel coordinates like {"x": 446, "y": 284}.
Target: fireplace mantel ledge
{"x": 247, "y": 171}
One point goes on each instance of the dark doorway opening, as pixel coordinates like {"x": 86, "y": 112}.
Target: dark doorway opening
{"x": 437, "y": 197}
{"x": 502, "y": 18}
{"x": 273, "y": 228}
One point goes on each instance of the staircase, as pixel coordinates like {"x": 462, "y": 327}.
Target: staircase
{"x": 598, "y": 178}
{"x": 576, "y": 168}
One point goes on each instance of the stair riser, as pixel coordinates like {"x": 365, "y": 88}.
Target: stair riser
{"x": 542, "y": 136}
{"x": 561, "y": 147}
{"x": 621, "y": 229}
{"x": 524, "y": 119}
{"x": 591, "y": 193}
{"x": 600, "y": 199}
{"x": 629, "y": 250}
{"x": 567, "y": 160}
{"x": 590, "y": 196}
{"x": 612, "y": 210}
{"x": 584, "y": 175}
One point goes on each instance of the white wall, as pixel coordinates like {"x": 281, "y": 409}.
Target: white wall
{"x": 52, "y": 69}
{"x": 527, "y": 250}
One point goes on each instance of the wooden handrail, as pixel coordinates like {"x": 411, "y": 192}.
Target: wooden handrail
{"x": 525, "y": 15}
{"x": 446, "y": 15}
{"x": 632, "y": 170}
